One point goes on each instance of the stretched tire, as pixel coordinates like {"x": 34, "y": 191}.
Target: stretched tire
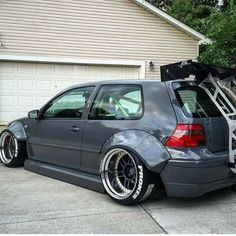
{"x": 125, "y": 178}
{"x": 12, "y": 151}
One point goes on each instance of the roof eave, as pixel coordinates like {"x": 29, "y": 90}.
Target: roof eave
{"x": 178, "y": 24}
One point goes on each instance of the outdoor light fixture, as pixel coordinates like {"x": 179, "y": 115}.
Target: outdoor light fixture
{"x": 151, "y": 65}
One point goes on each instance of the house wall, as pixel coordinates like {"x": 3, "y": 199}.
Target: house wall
{"x": 103, "y": 29}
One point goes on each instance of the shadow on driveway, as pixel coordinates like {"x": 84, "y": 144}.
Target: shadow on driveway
{"x": 214, "y": 212}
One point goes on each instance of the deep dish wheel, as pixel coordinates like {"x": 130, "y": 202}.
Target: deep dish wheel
{"x": 124, "y": 177}
{"x": 12, "y": 151}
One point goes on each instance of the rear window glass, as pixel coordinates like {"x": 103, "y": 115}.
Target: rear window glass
{"x": 195, "y": 102}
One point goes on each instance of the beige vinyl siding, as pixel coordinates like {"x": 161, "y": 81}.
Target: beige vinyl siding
{"x": 106, "y": 29}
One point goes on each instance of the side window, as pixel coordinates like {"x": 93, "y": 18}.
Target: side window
{"x": 118, "y": 102}
{"x": 69, "y": 105}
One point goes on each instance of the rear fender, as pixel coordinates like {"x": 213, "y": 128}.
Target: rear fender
{"x": 17, "y": 129}
{"x": 151, "y": 152}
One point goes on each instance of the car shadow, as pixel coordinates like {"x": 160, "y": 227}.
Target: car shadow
{"x": 217, "y": 197}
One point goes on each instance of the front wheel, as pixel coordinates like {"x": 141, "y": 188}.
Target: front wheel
{"x": 12, "y": 151}
{"x": 125, "y": 178}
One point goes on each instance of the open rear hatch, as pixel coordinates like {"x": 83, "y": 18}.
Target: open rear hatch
{"x": 220, "y": 85}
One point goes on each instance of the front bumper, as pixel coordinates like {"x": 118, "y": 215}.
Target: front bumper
{"x": 193, "y": 178}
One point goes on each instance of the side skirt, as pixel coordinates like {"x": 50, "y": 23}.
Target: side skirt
{"x": 89, "y": 181}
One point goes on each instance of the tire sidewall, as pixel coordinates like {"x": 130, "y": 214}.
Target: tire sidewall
{"x": 15, "y": 160}
{"x": 142, "y": 184}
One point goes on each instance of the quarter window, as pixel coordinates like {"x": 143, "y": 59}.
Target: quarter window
{"x": 118, "y": 102}
{"x": 69, "y": 105}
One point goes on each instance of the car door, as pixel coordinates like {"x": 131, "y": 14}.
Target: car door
{"x": 55, "y": 137}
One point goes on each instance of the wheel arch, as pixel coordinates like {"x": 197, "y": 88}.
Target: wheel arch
{"x": 149, "y": 149}
{"x": 17, "y": 129}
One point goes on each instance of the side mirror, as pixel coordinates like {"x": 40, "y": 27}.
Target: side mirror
{"x": 33, "y": 114}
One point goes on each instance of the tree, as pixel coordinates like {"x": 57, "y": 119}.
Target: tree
{"x": 192, "y": 12}
{"x": 162, "y": 4}
{"x": 221, "y": 27}
{"x": 214, "y": 18}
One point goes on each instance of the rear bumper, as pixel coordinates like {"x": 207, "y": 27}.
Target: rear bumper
{"x": 186, "y": 178}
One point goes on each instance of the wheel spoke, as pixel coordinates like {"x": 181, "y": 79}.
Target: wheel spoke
{"x": 122, "y": 162}
{"x": 113, "y": 182}
{"x": 111, "y": 171}
{"x": 120, "y": 176}
{"x": 7, "y": 147}
{"x": 125, "y": 183}
{"x": 129, "y": 161}
{"x": 10, "y": 143}
{"x": 128, "y": 186}
{"x": 7, "y": 152}
{"x": 119, "y": 173}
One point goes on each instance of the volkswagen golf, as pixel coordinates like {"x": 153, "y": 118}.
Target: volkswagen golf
{"x": 129, "y": 138}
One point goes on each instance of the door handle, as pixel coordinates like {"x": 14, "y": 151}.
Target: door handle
{"x": 75, "y": 129}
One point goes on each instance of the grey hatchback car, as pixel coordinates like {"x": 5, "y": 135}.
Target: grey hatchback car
{"x": 127, "y": 138}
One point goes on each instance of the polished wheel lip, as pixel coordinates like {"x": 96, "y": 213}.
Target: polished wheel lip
{"x": 105, "y": 176}
{"x": 3, "y": 145}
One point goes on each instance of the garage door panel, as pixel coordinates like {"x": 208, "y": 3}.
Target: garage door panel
{"x": 96, "y": 71}
{"x": 25, "y": 76}
{"x": 7, "y": 100}
{"x": 41, "y": 100}
{"x": 6, "y": 67}
{"x": 28, "y": 86}
{"x": 25, "y": 69}
{"x": 45, "y": 85}
{"x": 130, "y": 73}
{"x": 44, "y": 69}
{"x": 7, "y": 84}
{"x": 113, "y": 72}
{"x": 63, "y": 70}
{"x": 78, "y": 70}
{"x": 7, "y": 116}
{"x": 23, "y": 114}
{"x": 26, "y": 101}
{"x": 60, "y": 85}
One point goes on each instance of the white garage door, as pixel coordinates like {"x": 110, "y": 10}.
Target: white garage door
{"x": 27, "y": 86}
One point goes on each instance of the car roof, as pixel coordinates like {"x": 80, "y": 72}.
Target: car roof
{"x": 120, "y": 81}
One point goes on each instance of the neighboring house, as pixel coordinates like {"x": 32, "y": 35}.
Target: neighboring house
{"x": 49, "y": 45}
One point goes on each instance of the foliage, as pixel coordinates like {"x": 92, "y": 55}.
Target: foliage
{"x": 192, "y": 12}
{"x": 162, "y": 4}
{"x": 214, "y": 18}
{"x": 222, "y": 31}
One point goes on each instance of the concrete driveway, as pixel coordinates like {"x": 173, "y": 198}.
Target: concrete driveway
{"x": 31, "y": 203}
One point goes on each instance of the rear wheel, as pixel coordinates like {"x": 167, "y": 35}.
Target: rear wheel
{"x": 125, "y": 178}
{"x": 12, "y": 151}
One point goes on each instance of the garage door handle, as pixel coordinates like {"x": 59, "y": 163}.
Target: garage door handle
{"x": 74, "y": 129}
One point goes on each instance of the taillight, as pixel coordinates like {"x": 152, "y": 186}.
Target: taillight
{"x": 187, "y": 136}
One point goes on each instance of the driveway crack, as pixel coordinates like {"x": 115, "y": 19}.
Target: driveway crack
{"x": 68, "y": 217}
{"x": 153, "y": 219}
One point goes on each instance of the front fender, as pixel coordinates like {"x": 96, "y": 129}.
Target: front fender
{"x": 18, "y": 130}
{"x": 149, "y": 149}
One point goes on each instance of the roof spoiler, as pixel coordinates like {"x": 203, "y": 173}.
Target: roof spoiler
{"x": 183, "y": 69}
